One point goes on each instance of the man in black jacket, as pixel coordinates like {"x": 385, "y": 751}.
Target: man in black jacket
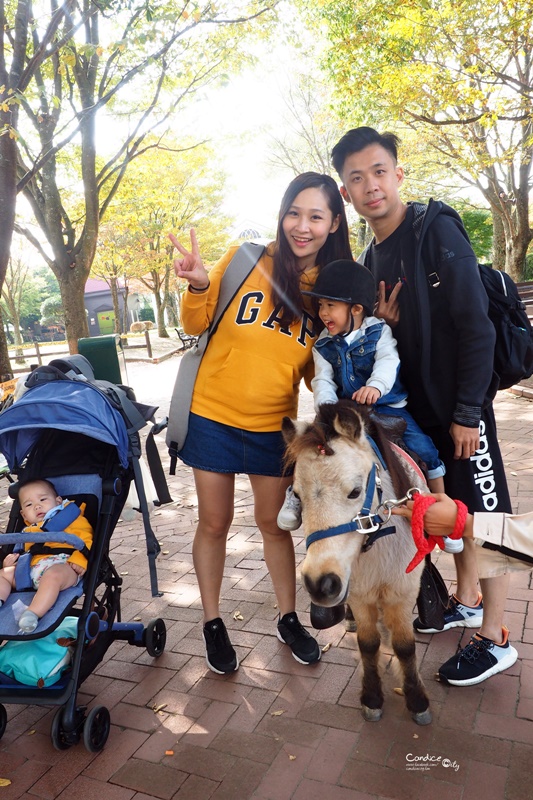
{"x": 431, "y": 294}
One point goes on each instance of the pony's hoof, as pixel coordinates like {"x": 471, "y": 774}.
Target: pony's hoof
{"x": 372, "y": 714}
{"x": 423, "y": 717}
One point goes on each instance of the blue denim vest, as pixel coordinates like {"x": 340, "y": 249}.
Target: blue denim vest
{"x": 353, "y": 364}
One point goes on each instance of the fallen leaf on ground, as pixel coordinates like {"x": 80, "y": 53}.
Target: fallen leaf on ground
{"x": 277, "y": 713}
{"x": 160, "y": 707}
{"x": 326, "y": 647}
{"x": 415, "y": 735}
{"x": 292, "y": 758}
{"x": 5, "y": 782}
{"x": 238, "y": 615}
{"x": 169, "y": 752}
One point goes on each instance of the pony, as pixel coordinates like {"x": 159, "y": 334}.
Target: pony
{"x": 352, "y": 555}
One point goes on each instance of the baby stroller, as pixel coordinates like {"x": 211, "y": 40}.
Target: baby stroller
{"x": 83, "y": 436}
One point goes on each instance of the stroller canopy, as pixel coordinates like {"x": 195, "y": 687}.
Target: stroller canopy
{"x": 64, "y": 405}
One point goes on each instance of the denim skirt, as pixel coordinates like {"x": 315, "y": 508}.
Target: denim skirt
{"x": 214, "y": 447}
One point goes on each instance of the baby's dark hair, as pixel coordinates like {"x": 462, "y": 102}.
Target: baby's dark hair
{"x": 28, "y": 481}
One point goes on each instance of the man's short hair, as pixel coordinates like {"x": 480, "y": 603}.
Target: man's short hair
{"x": 357, "y": 139}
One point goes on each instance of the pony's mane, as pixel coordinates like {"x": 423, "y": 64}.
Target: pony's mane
{"x": 398, "y": 474}
{"x": 314, "y": 437}
{"x": 321, "y": 434}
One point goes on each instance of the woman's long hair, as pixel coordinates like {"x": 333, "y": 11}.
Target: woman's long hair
{"x": 286, "y": 277}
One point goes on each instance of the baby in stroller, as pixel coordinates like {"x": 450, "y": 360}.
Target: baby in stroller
{"x": 53, "y": 566}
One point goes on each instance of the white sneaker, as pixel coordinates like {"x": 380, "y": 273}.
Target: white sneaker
{"x": 452, "y": 545}
{"x": 290, "y": 515}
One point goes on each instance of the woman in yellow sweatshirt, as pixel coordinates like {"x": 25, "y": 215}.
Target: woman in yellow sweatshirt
{"x": 247, "y": 382}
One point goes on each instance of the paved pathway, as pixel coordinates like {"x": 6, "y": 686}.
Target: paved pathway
{"x": 276, "y": 730}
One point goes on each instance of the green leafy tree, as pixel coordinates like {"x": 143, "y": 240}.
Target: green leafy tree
{"x": 478, "y": 224}
{"x": 137, "y": 61}
{"x": 168, "y": 193}
{"x": 458, "y": 73}
{"x": 52, "y": 310}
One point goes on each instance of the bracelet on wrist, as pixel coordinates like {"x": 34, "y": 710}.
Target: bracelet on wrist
{"x": 197, "y": 290}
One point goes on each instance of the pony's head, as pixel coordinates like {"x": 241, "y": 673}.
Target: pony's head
{"x": 332, "y": 460}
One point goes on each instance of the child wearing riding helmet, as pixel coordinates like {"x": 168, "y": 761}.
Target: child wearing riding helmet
{"x": 356, "y": 357}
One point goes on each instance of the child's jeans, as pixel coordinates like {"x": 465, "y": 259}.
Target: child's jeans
{"x": 416, "y": 440}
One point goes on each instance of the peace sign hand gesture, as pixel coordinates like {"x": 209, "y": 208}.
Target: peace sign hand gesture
{"x": 190, "y": 266}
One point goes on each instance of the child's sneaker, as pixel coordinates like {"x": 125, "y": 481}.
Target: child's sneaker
{"x": 453, "y": 545}
{"x": 28, "y": 621}
{"x": 480, "y": 659}
{"x": 219, "y": 653}
{"x": 290, "y": 514}
{"x": 457, "y": 615}
{"x": 304, "y": 648}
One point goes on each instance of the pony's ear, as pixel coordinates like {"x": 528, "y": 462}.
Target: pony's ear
{"x": 347, "y": 422}
{"x": 290, "y": 428}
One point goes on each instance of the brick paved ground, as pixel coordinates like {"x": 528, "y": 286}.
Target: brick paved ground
{"x": 276, "y": 730}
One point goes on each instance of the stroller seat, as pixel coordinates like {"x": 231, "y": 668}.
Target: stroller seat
{"x": 83, "y": 490}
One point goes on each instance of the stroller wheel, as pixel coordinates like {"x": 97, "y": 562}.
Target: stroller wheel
{"x": 3, "y": 720}
{"x": 57, "y": 733}
{"x": 155, "y": 637}
{"x": 96, "y": 729}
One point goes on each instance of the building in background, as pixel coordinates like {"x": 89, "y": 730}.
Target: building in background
{"x": 99, "y": 306}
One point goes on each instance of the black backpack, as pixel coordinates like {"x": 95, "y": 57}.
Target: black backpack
{"x": 513, "y": 352}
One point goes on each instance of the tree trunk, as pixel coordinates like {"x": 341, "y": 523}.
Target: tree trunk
{"x": 125, "y": 326}
{"x": 116, "y": 305}
{"x": 160, "y": 317}
{"x": 172, "y": 310}
{"x": 362, "y": 229}
{"x": 498, "y": 242}
{"x": 72, "y": 288}
{"x": 516, "y": 251}
{"x": 8, "y": 201}
{"x": 19, "y": 352}
{"x": 14, "y": 316}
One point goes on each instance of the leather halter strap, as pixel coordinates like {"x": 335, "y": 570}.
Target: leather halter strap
{"x": 365, "y": 522}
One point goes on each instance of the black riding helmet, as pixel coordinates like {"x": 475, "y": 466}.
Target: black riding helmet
{"x": 348, "y": 282}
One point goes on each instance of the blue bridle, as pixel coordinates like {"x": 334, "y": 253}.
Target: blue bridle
{"x": 365, "y": 522}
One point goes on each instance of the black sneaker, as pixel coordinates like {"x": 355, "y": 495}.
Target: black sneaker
{"x": 304, "y": 648}
{"x": 457, "y": 615}
{"x": 219, "y": 653}
{"x": 480, "y": 659}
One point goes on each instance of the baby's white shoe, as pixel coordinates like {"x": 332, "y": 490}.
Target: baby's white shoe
{"x": 28, "y": 621}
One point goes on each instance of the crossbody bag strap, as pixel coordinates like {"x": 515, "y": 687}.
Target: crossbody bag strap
{"x": 236, "y": 273}
{"x": 234, "y": 276}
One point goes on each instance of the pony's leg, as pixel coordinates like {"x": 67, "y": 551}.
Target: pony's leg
{"x": 398, "y": 620}
{"x": 369, "y": 640}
